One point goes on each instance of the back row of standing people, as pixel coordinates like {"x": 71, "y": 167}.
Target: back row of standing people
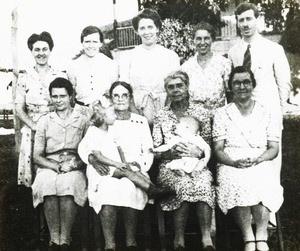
{"x": 145, "y": 68}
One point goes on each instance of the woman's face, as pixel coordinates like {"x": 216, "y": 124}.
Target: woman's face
{"x": 110, "y": 116}
{"x": 203, "y": 41}
{"x": 60, "y": 99}
{"x": 121, "y": 98}
{"x": 148, "y": 31}
{"x": 177, "y": 90}
{"x": 91, "y": 44}
{"x": 41, "y": 52}
{"x": 242, "y": 86}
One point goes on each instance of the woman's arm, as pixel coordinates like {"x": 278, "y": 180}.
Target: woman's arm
{"x": 40, "y": 146}
{"x": 269, "y": 154}
{"x": 223, "y": 157}
{"x": 100, "y": 158}
{"x": 43, "y": 162}
{"x": 20, "y": 110}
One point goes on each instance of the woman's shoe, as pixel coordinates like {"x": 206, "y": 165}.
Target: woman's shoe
{"x": 65, "y": 247}
{"x": 250, "y": 246}
{"x": 131, "y": 248}
{"x": 179, "y": 248}
{"x": 262, "y": 245}
{"x": 53, "y": 247}
{"x": 209, "y": 248}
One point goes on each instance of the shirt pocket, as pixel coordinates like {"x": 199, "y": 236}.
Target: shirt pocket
{"x": 75, "y": 133}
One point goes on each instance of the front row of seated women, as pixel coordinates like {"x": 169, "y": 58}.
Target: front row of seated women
{"x": 118, "y": 151}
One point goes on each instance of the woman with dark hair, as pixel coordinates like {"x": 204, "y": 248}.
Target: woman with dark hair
{"x": 60, "y": 183}
{"x": 208, "y": 71}
{"x": 33, "y": 100}
{"x": 196, "y": 188}
{"x": 92, "y": 73}
{"x": 146, "y": 66}
{"x": 246, "y": 140}
{"x": 110, "y": 193}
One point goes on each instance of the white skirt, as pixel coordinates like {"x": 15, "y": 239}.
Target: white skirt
{"x": 106, "y": 190}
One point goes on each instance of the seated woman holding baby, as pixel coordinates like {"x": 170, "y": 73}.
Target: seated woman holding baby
{"x": 192, "y": 186}
{"x": 117, "y": 150}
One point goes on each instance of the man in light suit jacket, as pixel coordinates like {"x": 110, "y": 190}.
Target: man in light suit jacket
{"x": 268, "y": 63}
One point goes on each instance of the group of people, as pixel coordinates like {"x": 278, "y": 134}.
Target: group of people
{"x": 94, "y": 132}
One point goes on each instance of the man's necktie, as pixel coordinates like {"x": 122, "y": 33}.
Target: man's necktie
{"x": 247, "y": 58}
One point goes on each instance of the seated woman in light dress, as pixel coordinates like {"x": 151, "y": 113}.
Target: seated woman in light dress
{"x": 146, "y": 66}
{"x": 109, "y": 194}
{"x": 33, "y": 100}
{"x": 208, "y": 72}
{"x": 246, "y": 139}
{"x": 92, "y": 73}
{"x": 60, "y": 184}
{"x": 197, "y": 189}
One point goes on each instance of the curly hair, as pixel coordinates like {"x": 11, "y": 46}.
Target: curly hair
{"x": 149, "y": 14}
{"x": 244, "y": 6}
{"x": 44, "y": 36}
{"x": 177, "y": 74}
{"x": 205, "y": 26}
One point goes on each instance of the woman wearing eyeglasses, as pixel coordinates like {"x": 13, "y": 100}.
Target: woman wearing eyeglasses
{"x": 246, "y": 139}
{"x": 109, "y": 194}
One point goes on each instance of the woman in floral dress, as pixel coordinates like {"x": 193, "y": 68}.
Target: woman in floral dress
{"x": 208, "y": 72}
{"x": 33, "y": 100}
{"x": 197, "y": 188}
{"x": 246, "y": 139}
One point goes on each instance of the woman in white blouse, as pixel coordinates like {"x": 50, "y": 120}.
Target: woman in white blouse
{"x": 92, "y": 73}
{"x": 146, "y": 66}
{"x": 110, "y": 193}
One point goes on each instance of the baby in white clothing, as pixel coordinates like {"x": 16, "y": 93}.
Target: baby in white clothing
{"x": 187, "y": 131}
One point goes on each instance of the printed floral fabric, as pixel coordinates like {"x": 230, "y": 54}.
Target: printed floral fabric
{"x": 243, "y": 138}
{"x": 188, "y": 188}
{"x": 208, "y": 85}
{"x": 33, "y": 92}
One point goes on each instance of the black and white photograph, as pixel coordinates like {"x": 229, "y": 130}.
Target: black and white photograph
{"x": 97, "y": 98}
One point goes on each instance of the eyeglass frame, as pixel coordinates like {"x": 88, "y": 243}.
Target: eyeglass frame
{"x": 124, "y": 96}
{"x": 237, "y": 84}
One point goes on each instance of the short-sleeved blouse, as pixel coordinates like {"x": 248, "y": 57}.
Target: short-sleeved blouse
{"x": 208, "y": 85}
{"x": 93, "y": 77}
{"x": 145, "y": 70}
{"x": 246, "y": 137}
{"x": 56, "y": 136}
{"x": 34, "y": 92}
{"x": 188, "y": 188}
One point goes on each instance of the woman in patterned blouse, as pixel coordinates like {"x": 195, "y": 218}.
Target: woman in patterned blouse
{"x": 208, "y": 72}
{"x": 33, "y": 100}
{"x": 197, "y": 188}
